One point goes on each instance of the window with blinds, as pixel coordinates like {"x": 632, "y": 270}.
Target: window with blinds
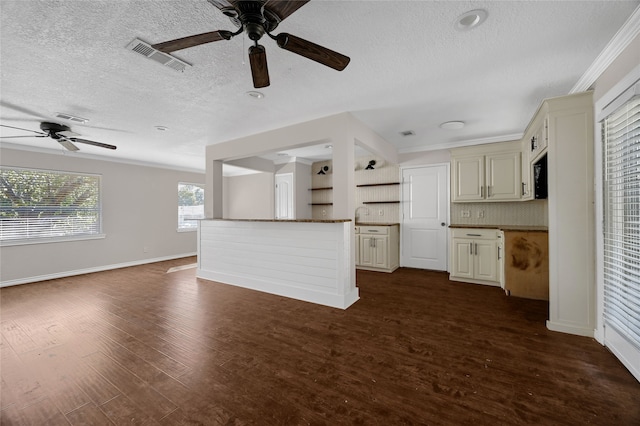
{"x": 621, "y": 191}
{"x": 190, "y": 206}
{"x": 40, "y": 205}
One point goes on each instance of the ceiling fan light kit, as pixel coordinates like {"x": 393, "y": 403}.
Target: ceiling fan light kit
{"x": 257, "y": 18}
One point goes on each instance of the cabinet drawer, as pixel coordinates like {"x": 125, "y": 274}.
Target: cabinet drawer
{"x": 380, "y": 230}
{"x": 476, "y": 234}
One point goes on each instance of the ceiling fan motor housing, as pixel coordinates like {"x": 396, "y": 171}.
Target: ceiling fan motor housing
{"x": 252, "y": 18}
{"x": 53, "y": 128}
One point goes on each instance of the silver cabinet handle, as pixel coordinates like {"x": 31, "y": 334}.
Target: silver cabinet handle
{"x": 499, "y": 255}
{"x": 471, "y": 249}
{"x": 476, "y": 248}
{"x": 474, "y": 235}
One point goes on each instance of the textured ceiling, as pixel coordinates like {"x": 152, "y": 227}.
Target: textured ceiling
{"x": 410, "y": 70}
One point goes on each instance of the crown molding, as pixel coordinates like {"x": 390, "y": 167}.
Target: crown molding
{"x": 469, "y": 142}
{"x": 625, "y": 35}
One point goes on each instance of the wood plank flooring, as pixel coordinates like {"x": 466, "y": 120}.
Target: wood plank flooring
{"x": 140, "y": 346}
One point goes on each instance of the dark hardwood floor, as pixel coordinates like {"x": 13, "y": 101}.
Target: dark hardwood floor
{"x": 141, "y": 346}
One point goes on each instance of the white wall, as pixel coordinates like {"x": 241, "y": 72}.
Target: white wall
{"x": 424, "y": 158}
{"x": 249, "y": 196}
{"x": 139, "y": 209}
{"x": 340, "y": 130}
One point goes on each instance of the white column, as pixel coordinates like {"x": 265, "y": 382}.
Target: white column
{"x": 344, "y": 179}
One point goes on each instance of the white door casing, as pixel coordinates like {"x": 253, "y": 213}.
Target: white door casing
{"x": 425, "y": 216}
{"x": 284, "y": 196}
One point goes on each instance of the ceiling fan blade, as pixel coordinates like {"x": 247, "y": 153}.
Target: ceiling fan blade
{"x": 259, "y": 70}
{"x": 221, "y": 4}
{"x": 68, "y": 134}
{"x": 26, "y": 130}
{"x": 315, "y": 52}
{"x": 30, "y": 136}
{"x": 283, "y": 8}
{"x": 23, "y": 110}
{"x": 191, "y": 41}
{"x": 94, "y": 143}
{"x": 67, "y": 144}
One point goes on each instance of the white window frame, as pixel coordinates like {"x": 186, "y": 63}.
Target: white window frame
{"x": 74, "y": 237}
{"x": 617, "y": 96}
{"x": 190, "y": 228}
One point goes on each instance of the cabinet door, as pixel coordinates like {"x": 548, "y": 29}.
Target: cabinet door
{"x": 526, "y": 190}
{"x": 462, "y": 258}
{"x": 503, "y": 176}
{"x": 468, "y": 178}
{"x": 381, "y": 252}
{"x": 366, "y": 250}
{"x": 485, "y": 261}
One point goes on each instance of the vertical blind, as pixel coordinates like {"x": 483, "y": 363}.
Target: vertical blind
{"x": 621, "y": 191}
{"x": 44, "y": 204}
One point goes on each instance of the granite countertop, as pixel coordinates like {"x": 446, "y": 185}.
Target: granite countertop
{"x": 284, "y": 220}
{"x": 506, "y": 228}
{"x": 376, "y": 224}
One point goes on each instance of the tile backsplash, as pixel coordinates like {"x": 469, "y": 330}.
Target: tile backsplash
{"x": 531, "y": 213}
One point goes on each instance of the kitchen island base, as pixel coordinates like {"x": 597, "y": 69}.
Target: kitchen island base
{"x": 304, "y": 260}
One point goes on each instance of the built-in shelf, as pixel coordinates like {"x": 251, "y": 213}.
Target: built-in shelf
{"x": 380, "y": 202}
{"x": 318, "y": 189}
{"x": 320, "y": 204}
{"x": 378, "y": 184}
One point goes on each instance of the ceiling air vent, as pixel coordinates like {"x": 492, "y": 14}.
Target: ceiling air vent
{"x": 70, "y": 117}
{"x": 167, "y": 60}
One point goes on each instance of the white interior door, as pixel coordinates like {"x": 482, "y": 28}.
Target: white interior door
{"x": 284, "y": 196}
{"x": 425, "y": 217}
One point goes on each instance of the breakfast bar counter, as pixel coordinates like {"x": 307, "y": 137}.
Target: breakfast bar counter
{"x": 310, "y": 260}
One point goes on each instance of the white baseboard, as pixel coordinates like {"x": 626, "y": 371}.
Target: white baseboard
{"x": 64, "y": 274}
{"x": 341, "y": 301}
{"x": 570, "y": 329}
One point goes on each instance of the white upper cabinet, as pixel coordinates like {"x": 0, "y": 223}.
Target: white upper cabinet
{"x": 468, "y": 178}
{"x": 487, "y": 173}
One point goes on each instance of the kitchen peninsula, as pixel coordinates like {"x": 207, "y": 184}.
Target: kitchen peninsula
{"x": 310, "y": 260}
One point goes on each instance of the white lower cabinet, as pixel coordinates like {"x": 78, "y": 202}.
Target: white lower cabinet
{"x": 378, "y": 248}
{"x": 476, "y": 256}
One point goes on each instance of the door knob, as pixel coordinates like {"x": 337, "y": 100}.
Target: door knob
{"x": 443, "y": 224}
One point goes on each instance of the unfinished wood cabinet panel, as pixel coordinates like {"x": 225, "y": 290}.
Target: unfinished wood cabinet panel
{"x": 526, "y": 264}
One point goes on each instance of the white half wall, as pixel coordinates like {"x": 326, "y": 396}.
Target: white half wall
{"x": 310, "y": 261}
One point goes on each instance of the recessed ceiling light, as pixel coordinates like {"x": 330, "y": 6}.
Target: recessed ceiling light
{"x": 407, "y": 133}
{"x": 255, "y": 94}
{"x": 470, "y": 19}
{"x": 452, "y": 125}
{"x": 162, "y": 128}
{"x": 328, "y": 146}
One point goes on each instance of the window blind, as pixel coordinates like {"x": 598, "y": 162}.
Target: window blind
{"x": 43, "y": 204}
{"x": 621, "y": 191}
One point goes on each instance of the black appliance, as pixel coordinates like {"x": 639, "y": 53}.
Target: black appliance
{"x": 540, "y": 178}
